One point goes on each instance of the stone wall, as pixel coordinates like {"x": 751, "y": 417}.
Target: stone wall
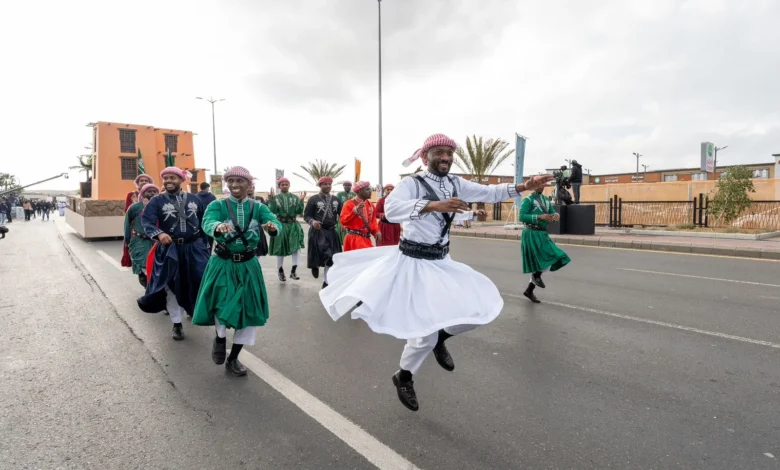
{"x": 96, "y": 207}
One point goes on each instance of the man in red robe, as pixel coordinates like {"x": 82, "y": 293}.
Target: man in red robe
{"x": 131, "y": 198}
{"x": 359, "y": 218}
{"x": 391, "y": 233}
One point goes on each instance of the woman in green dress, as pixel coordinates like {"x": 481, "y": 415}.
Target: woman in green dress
{"x": 287, "y": 207}
{"x": 539, "y": 251}
{"x": 138, "y": 243}
{"x": 232, "y": 293}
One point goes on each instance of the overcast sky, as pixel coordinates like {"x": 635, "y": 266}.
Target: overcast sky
{"x": 591, "y": 80}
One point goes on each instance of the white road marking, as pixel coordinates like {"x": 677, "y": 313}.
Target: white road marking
{"x": 700, "y": 277}
{"x": 111, "y": 260}
{"x": 362, "y": 442}
{"x": 769, "y": 455}
{"x": 659, "y": 323}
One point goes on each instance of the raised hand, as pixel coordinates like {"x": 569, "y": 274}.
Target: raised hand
{"x": 303, "y": 196}
{"x": 271, "y": 193}
{"x": 538, "y": 181}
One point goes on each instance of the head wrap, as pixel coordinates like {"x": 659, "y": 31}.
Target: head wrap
{"x": 390, "y": 186}
{"x": 324, "y": 179}
{"x": 143, "y": 175}
{"x": 360, "y": 185}
{"x": 237, "y": 172}
{"x": 282, "y": 180}
{"x": 148, "y": 186}
{"x": 172, "y": 170}
{"x": 437, "y": 140}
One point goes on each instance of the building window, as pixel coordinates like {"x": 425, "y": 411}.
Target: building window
{"x": 129, "y": 168}
{"x": 702, "y": 176}
{"x": 127, "y": 140}
{"x": 762, "y": 173}
{"x": 670, "y": 178}
{"x": 171, "y": 142}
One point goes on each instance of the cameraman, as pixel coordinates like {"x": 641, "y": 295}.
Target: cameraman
{"x": 576, "y": 179}
{"x": 562, "y": 184}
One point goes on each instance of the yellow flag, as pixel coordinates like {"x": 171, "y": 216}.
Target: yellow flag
{"x": 357, "y": 170}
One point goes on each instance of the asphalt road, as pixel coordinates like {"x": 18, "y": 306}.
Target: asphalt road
{"x": 633, "y": 360}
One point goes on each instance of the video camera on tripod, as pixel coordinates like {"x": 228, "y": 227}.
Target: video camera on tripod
{"x": 562, "y": 186}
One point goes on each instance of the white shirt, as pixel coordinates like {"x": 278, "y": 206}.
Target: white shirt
{"x": 406, "y": 201}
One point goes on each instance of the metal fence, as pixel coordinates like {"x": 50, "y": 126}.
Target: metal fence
{"x": 762, "y": 215}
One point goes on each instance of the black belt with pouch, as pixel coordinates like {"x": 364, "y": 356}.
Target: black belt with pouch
{"x": 241, "y": 257}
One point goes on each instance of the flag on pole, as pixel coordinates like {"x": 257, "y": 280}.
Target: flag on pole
{"x": 279, "y": 174}
{"x": 519, "y": 159}
{"x": 169, "y": 159}
{"x": 357, "y": 170}
{"x": 141, "y": 169}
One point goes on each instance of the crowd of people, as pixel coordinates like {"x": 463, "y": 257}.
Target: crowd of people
{"x": 33, "y": 208}
{"x": 197, "y": 255}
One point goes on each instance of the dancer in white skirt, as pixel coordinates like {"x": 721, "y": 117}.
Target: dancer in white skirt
{"x": 421, "y": 297}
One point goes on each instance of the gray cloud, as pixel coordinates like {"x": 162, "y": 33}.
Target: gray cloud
{"x": 327, "y": 51}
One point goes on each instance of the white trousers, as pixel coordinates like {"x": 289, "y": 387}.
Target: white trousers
{"x": 543, "y": 271}
{"x": 280, "y": 260}
{"x": 175, "y": 310}
{"x": 417, "y": 349}
{"x": 245, "y": 336}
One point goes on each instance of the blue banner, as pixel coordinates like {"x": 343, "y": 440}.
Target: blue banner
{"x": 519, "y": 158}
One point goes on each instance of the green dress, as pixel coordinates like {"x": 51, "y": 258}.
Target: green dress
{"x": 232, "y": 292}
{"x": 539, "y": 251}
{"x": 137, "y": 247}
{"x": 286, "y": 207}
{"x": 344, "y": 196}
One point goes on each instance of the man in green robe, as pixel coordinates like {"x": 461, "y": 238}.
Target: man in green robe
{"x": 539, "y": 251}
{"x": 344, "y": 196}
{"x": 287, "y": 207}
{"x": 232, "y": 293}
{"x": 137, "y": 241}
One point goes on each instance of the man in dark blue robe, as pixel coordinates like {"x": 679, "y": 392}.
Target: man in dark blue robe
{"x": 173, "y": 218}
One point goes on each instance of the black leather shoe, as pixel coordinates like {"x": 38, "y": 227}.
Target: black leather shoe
{"x": 293, "y": 275}
{"x": 142, "y": 279}
{"x": 529, "y": 292}
{"x": 324, "y": 285}
{"x": 443, "y": 357}
{"x": 178, "y": 333}
{"x": 537, "y": 279}
{"x": 218, "y": 351}
{"x": 315, "y": 272}
{"x": 235, "y": 367}
{"x": 406, "y": 392}
{"x": 281, "y": 275}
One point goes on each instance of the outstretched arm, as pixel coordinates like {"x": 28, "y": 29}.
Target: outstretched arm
{"x": 403, "y": 204}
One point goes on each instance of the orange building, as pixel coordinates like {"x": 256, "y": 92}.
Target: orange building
{"x": 115, "y": 163}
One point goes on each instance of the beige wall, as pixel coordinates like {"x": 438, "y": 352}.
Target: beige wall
{"x": 766, "y": 190}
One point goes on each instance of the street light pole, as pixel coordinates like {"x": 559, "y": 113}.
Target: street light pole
{"x": 637, "y": 164}
{"x": 715, "y": 163}
{"x": 213, "y": 127}
{"x": 379, "y": 9}
{"x": 645, "y": 167}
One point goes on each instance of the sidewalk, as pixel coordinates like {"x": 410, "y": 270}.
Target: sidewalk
{"x": 766, "y": 249}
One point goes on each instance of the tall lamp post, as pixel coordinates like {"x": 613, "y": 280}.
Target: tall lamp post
{"x": 645, "y": 175}
{"x": 379, "y": 11}
{"x": 637, "y": 164}
{"x": 213, "y": 127}
{"x": 715, "y": 163}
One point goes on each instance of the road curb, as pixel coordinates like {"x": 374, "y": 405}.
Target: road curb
{"x": 607, "y": 242}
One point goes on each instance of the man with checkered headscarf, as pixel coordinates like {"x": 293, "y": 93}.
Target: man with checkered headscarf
{"x": 421, "y": 297}
{"x": 178, "y": 258}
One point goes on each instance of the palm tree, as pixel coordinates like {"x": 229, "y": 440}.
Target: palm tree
{"x": 320, "y": 168}
{"x": 481, "y": 158}
{"x": 7, "y": 181}
{"x": 85, "y": 164}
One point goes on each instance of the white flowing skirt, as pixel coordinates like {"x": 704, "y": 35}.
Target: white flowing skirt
{"x": 408, "y": 297}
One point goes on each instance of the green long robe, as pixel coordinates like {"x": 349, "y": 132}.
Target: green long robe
{"x": 286, "y": 207}
{"x": 232, "y": 292}
{"x": 136, "y": 246}
{"x": 344, "y": 196}
{"x": 538, "y": 249}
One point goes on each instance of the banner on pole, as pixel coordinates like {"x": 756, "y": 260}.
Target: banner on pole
{"x": 357, "y": 170}
{"x": 707, "y": 157}
{"x": 519, "y": 159}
